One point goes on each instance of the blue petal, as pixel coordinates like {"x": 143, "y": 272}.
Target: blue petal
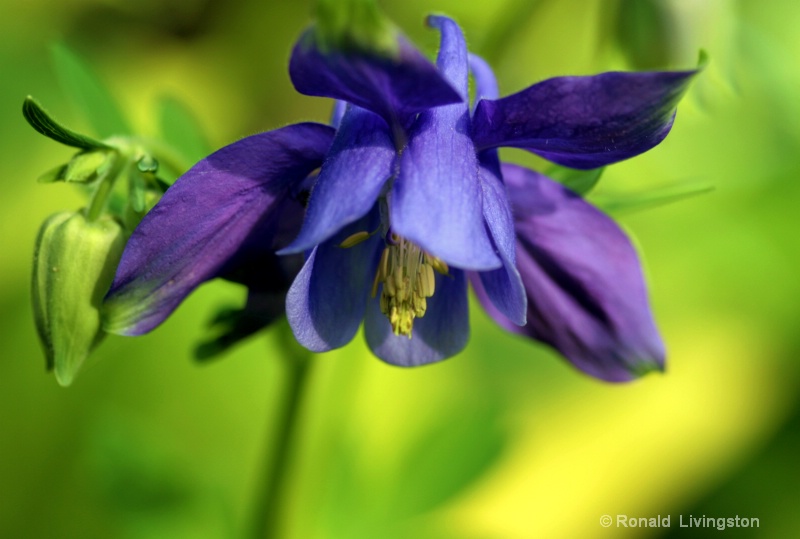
{"x": 436, "y": 199}
{"x": 358, "y": 165}
{"x": 201, "y": 223}
{"x": 339, "y": 108}
{"x": 503, "y": 286}
{"x": 584, "y": 122}
{"x": 441, "y": 333}
{"x": 393, "y": 87}
{"x": 326, "y": 302}
{"x": 586, "y": 293}
{"x": 452, "y": 59}
{"x": 485, "y": 81}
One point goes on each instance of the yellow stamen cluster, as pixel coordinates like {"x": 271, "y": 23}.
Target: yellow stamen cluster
{"x": 406, "y": 272}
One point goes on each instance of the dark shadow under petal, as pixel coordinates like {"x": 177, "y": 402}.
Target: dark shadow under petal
{"x": 584, "y": 122}
{"x": 441, "y": 333}
{"x": 228, "y": 200}
{"x": 586, "y": 293}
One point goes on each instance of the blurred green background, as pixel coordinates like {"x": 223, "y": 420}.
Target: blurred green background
{"x": 504, "y": 441}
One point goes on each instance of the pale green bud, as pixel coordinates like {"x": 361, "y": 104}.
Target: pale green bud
{"x": 89, "y": 166}
{"x": 73, "y": 266}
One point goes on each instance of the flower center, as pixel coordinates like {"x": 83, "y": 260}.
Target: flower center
{"x": 406, "y": 272}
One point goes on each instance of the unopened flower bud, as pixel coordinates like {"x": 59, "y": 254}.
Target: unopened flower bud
{"x": 73, "y": 266}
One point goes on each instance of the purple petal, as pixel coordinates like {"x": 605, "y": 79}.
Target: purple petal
{"x": 586, "y": 293}
{"x": 452, "y": 60}
{"x": 255, "y": 263}
{"x": 357, "y": 167}
{"x": 436, "y": 200}
{"x": 393, "y": 87}
{"x": 503, "y": 286}
{"x": 326, "y": 302}
{"x": 584, "y": 122}
{"x": 485, "y": 81}
{"x": 441, "y": 333}
{"x": 226, "y": 201}
{"x": 339, "y": 108}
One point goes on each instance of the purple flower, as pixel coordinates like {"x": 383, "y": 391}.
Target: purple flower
{"x": 411, "y": 203}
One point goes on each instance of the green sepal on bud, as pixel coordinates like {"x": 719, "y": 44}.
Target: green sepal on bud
{"x": 87, "y": 167}
{"x": 354, "y": 26}
{"x": 41, "y": 121}
{"x": 73, "y": 267}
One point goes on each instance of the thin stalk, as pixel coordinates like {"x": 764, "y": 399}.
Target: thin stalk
{"x": 270, "y": 508}
{"x": 104, "y": 188}
{"x": 99, "y": 200}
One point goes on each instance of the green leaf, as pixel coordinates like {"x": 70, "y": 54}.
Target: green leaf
{"x": 42, "y": 122}
{"x": 88, "y": 93}
{"x": 448, "y": 458}
{"x": 180, "y": 129}
{"x": 344, "y": 494}
{"x": 354, "y": 25}
{"x": 623, "y": 203}
{"x": 89, "y": 166}
{"x": 646, "y": 33}
{"x": 53, "y": 175}
{"x": 580, "y": 181}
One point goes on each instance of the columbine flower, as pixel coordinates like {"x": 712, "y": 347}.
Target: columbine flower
{"x": 411, "y": 203}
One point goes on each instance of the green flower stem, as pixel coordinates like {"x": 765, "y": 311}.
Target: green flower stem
{"x": 99, "y": 200}
{"x": 270, "y": 505}
{"x": 103, "y": 191}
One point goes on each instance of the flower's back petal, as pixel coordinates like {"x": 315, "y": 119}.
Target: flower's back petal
{"x": 453, "y": 57}
{"x": 201, "y": 223}
{"x": 586, "y": 293}
{"x": 441, "y": 333}
{"x": 436, "y": 200}
{"x": 359, "y": 163}
{"x": 584, "y": 122}
{"x": 394, "y": 88}
{"x": 503, "y": 286}
{"x": 326, "y": 302}
{"x": 485, "y": 81}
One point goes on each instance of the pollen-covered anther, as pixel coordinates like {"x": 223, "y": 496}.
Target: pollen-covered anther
{"x": 407, "y": 275}
{"x": 355, "y": 239}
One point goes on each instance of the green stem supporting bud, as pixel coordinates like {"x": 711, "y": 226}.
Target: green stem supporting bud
{"x": 104, "y": 188}
{"x": 74, "y": 264}
{"x": 347, "y": 25}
